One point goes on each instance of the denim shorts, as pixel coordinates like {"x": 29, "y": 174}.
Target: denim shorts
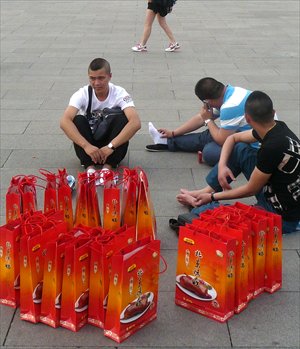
{"x": 163, "y": 11}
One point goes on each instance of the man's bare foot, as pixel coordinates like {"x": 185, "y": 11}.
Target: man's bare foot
{"x": 194, "y": 193}
{"x": 186, "y": 199}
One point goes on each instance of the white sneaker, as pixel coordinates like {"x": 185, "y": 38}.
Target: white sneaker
{"x": 91, "y": 174}
{"x": 172, "y": 47}
{"x": 139, "y": 48}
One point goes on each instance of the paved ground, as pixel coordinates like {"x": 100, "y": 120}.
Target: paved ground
{"x": 45, "y": 50}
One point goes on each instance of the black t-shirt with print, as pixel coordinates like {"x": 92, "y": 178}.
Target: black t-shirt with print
{"x": 279, "y": 154}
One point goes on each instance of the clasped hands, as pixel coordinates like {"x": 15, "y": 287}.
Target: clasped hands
{"x": 98, "y": 155}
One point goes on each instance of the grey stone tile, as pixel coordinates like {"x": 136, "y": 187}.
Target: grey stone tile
{"x": 291, "y": 241}
{"x": 44, "y": 142}
{"x": 269, "y": 320}
{"x": 4, "y": 156}
{"x": 290, "y": 271}
{"x": 37, "y": 158}
{"x": 13, "y": 127}
{"x": 7, "y": 315}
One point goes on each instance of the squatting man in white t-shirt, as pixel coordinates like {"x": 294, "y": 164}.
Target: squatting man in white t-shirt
{"x": 79, "y": 127}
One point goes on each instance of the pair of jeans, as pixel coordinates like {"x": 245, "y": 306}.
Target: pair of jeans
{"x": 83, "y": 127}
{"x": 193, "y": 142}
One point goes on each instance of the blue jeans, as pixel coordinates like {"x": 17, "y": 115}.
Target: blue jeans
{"x": 243, "y": 160}
{"x": 193, "y": 142}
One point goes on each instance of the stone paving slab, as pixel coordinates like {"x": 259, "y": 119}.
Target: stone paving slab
{"x": 46, "y": 47}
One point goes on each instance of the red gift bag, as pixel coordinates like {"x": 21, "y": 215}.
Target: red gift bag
{"x": 129, "y": 197}
{"x": 13, "y": 200}
{"x": 10, "y": 235}
{"x": 146, "y": 222}
{"x": 94, "y": 219}
{"x": 81, "y": 210}
{"x": 205, "y": 276}
{"x": 238, "y": 221}
{"x": 28, "y": 194}
{"x": 102, "y": 250}
{"x": 50, "y": 194}
{"x": 75, "y": 285}
{"x": 223, "y": 228}
{"x": 133, "y": 289}
{"x": 64, "y": 198}
{"x": 273, "y": 261}
{"x": 52, "y": 281}
{"x": 259, "y": 232}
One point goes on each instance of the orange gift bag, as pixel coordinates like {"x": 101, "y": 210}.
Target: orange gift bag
{"x": 133, "y": 289}
{"x": 38, "y": 231}
{"x": 146, "y": 222}
{"x": 87, "y": 208}
{"x": 205, "y": 276}
{"x": 52, "y": 281}
{"x": 75, "y": 284}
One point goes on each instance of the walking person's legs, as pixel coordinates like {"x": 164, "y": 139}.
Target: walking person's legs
{"x": 141, "y": 46}
{"x": 164, "y": 25}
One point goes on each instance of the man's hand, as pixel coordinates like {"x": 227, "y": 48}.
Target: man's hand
{"x": 202, "y": 199}
{"x": 224, "y": 173}
{"x": 105, "y": 152}
{"x": 93, "y": 152}
{"x": 206, "y": 113}
{"x": 165, "y": 133}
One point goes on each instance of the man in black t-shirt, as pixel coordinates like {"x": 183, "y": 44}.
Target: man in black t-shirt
{"x": 273, "y": 171}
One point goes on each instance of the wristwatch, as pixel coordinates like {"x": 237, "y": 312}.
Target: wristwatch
{"x": 207, "y": 121}
{"x": 110, "y": 146}
{"x": 212, "y": 197}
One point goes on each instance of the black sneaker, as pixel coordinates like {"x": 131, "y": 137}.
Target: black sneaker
{"x": 157, "y": 147}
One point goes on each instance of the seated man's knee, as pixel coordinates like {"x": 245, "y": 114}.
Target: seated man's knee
{"x": 79, "y": 120}
{"x": 211, "y": 154}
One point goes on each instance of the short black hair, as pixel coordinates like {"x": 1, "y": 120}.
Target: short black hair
{"x": 99, "y": 63}
{"x": 208, "y": 88}
{"x": 260, "y": 107}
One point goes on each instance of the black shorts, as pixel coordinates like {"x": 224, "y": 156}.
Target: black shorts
{"x": 163, "y": 11}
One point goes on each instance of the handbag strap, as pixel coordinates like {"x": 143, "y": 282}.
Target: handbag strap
{"x": 88, "y": 109}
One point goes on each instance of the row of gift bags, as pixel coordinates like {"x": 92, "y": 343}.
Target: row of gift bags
{"x": 226, "y": 257}
{"x": 69, "y": 278}
{"x": 124, "y": 201}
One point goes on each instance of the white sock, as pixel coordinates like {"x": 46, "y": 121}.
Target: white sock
{"x": 155, "y": 135}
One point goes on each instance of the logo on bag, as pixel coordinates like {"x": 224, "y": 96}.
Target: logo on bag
{"x": 36, "y": 247}
{"x": 189, "y": 241}
{"x": 132, "y": 267}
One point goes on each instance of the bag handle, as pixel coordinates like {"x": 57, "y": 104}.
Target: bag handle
{"x": 88, "y": 109}
{"x": 165, "y": 264}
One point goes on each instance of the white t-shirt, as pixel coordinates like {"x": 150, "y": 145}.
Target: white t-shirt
{"x": 117, "y": 97}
